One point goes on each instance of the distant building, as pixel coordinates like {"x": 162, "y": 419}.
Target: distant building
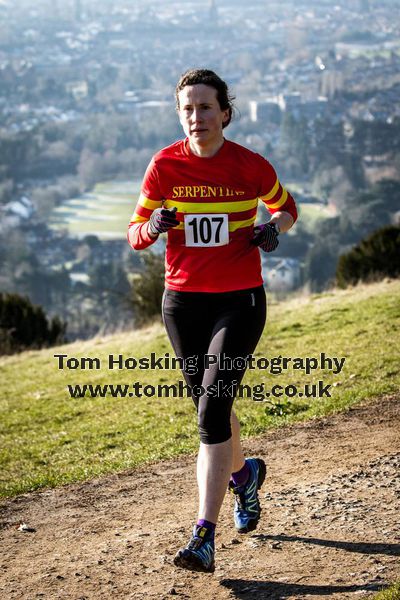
{"x": 281, "y": 274}
{"x": 314, "y": 108}
{"x": 22, "y": 208}
{"x": 78, "y": 89}
{"x": 265, "y": 111}
{"x": 147, "y": 108}
{"x": 14, "y": 213}
{"x": 332, "y": 81}
{"x": 289, "y": 102}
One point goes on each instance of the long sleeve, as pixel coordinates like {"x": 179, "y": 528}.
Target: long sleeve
{"x": 274, "y": 195}
{"x": 138, "y": 235}
{"x": 150, "y": 198}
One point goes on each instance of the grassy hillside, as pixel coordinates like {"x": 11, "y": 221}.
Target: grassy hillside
{"x": 104, "y": 212}
{"x": 48, "y": 438}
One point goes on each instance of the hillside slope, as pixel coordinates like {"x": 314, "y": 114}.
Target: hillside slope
{"x": 344, "y": 341}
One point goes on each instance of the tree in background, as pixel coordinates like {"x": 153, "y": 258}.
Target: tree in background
{"x": 90, "y": 169}
{"x": 148, "y": 288}
{"x": 363, "y": 213}
{"x": 293, "y": 151}
{"x": 24, "y": 325}
{"x": 320, "y": 265}
{"x": 375, "y": 257}
{"x": 110, "y": 292}
{"x": 368, "y": 210}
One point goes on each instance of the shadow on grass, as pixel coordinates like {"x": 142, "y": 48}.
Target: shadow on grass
{"x": 361, "y": 547}
{"x": 263, "y": 590}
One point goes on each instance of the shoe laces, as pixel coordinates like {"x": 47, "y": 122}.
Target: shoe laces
{"x": 241, "y": 500}
{"x": 195, "y": 543}
{"x": 240, "y": 495}
{"x": 200, "y": 536}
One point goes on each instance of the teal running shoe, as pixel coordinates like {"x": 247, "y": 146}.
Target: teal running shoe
{"x": 247, "y": 509}
{"x": 199, "y": 553}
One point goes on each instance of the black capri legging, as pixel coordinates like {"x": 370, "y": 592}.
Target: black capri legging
{"x": 207, "y": 326}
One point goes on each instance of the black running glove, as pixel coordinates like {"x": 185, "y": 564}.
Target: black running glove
{"x": 266, "y": 237}
{"x": 163, "y": 219}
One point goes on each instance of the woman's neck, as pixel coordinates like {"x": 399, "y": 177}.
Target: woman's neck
{"x": 206, "y": 151}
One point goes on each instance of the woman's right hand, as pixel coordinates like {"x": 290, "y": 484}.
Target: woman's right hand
{"x": 162, "y": 219}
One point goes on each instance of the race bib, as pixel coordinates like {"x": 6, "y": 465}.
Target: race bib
{"x": 206, "y": 230}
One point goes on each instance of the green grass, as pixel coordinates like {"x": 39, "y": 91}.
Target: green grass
{"x": 47, "y": 438}
{"x": 391, "y": 593}
{"x": 104, "y": 212}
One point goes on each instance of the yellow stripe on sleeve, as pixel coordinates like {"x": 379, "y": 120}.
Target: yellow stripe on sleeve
{"x": 272, "y": 193}
{"x": 281, "y": 200}
{"x": 147, "y": 203}
{"x": 138, "y": 219}
{"x": 234, "y": 225}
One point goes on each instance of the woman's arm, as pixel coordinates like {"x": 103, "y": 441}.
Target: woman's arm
{"x": 283, "y": 219}
{"x": 139, "y": 236}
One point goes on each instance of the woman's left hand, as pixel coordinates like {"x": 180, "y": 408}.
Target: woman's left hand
{"x": 266, "y": 237}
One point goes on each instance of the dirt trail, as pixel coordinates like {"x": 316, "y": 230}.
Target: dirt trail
{"x": 329, "y": 528}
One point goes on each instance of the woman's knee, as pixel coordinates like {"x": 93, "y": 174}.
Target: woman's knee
{"x": 214, "y": 421}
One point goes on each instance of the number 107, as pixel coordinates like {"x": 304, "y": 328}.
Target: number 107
{"x": 203, "y": 229}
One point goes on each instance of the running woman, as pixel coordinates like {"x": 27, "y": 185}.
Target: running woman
{"x": 203, "y": 191}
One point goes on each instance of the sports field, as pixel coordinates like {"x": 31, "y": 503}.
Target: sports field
{"x": 104, "y": 212}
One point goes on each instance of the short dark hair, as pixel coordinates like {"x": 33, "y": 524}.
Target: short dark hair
{"x": 207, "y": 77}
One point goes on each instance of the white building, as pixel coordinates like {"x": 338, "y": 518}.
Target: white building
{"x": 281, "y": 274}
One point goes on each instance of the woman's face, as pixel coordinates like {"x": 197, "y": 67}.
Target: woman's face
{"x": 200, "y": 114}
